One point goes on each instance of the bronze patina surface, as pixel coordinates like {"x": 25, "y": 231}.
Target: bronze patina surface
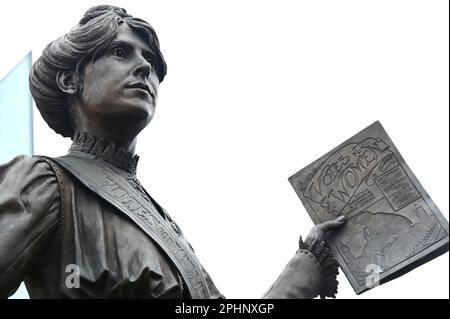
{"x": 82, "y": 225}
{"x": 392, "y": 224}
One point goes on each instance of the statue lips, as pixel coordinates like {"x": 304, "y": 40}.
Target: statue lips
{"x": 141, "y": 86}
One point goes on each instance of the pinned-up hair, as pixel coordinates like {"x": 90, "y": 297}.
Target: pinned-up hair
{"x": 86, "y": 41}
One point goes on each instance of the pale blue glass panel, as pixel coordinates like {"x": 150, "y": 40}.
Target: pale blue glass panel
{"x": 16, "y": 127}
{"x": 15, "y": 112}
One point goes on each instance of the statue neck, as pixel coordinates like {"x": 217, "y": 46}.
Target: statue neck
{"x": 106, "y": 149}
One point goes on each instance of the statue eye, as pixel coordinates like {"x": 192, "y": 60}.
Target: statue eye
{"x": 119, "y": 52}
{"x": 149, "y": 59}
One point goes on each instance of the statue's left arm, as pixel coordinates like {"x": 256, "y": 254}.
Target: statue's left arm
{"x": 312, "y": 271}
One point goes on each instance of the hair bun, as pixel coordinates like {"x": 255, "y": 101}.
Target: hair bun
{"x": 96, "y": 11}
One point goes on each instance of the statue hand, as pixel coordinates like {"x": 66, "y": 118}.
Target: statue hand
{"x": 318, "y": 233}
{"x": 315, "y": 243}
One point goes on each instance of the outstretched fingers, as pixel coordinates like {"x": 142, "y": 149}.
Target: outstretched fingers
{"x": 332, "y": 224}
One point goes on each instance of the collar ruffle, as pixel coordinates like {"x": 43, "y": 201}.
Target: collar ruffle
{"x": 90, "y": 143}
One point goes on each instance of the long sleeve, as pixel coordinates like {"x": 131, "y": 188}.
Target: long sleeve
{"x": 29, "y": 210}
{"x": 301, "y": 279}
{"x": 310, "y": 273}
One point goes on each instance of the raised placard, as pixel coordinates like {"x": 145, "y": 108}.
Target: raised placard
{"x": 392, "y": 224}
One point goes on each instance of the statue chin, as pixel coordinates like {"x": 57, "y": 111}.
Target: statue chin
{"x": 137, "y": 114}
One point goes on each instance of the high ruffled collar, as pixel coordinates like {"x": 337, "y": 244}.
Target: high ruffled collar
{"x": 92, "y": 144}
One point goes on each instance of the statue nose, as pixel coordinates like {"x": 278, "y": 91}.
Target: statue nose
{"x": 143, "y": 68}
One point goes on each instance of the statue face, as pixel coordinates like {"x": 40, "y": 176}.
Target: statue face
{"x": 122, "y": 82}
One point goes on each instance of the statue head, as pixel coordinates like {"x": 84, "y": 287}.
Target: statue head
{"x": 109, "y": 64}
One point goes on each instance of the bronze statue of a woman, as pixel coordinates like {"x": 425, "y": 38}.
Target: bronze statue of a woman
{"x": 86, "y": 212}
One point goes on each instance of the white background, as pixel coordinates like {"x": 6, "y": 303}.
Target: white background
{"x": 255, "y": 91}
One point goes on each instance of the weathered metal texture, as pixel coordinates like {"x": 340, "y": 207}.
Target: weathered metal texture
{"x": 392, "y": 224}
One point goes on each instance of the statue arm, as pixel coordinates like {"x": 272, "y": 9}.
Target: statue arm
{"x": 312, "y": 271}
{"x": 301, "y": 279}
{"x": 29, "y": 210}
